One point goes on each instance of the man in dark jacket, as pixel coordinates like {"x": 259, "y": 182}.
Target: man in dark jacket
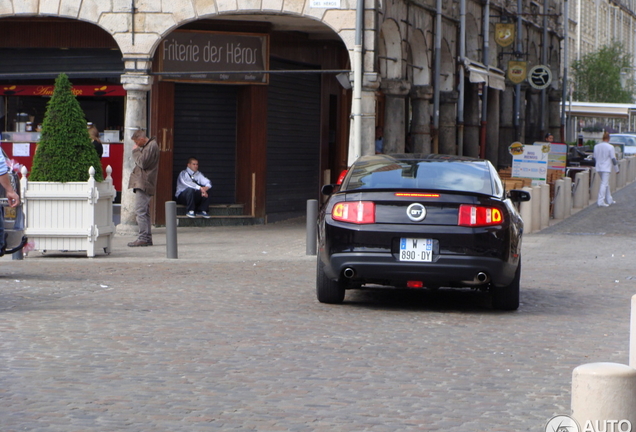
{"x": 143, "y": 181}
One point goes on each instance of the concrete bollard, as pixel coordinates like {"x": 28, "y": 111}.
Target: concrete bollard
{"x": 580, "y": 191}
{"x": 621, "y": 177}
{"x": 171, "y": 230}
{"x": 312, "y": 217}
{"x": 612, "y": 181}
{"x": 545, "y": 205}
{"x": 559, "y": 200}
{"x": 536, "y": 208}
{"x": 525, "y": 209}
{"x": 595, "y": 185}
{"x": 604, "y": 395}
{"x": 567, "y": 196}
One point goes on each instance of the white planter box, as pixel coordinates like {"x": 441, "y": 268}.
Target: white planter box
{"x": 73, "y": 216}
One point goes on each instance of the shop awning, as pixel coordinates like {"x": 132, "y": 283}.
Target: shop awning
{"x": 479, "y": 73}
{"x": 496, "y": 79}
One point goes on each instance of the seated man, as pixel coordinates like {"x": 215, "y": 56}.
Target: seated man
{"x": 192, "y": 190}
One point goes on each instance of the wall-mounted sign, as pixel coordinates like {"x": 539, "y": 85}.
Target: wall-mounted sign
{"x": 47, "y": 90}
{"x": 540, "y": 77}
{"x": 517, "y": 71}
{"x": 504, "y": 34}
{"x": 325, "y": 4}
{"x": 214, "y": 56}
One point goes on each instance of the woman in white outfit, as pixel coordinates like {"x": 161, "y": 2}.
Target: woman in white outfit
{"x": 605, "y": 157}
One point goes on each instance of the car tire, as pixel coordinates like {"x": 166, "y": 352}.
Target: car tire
{"x": 507, "y": 297}
{"x": 327, "y": 290}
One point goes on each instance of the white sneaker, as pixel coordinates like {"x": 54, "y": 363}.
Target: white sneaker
{"x": 190, "y": 214}
{"x": 204, "y": 214}
{"x": 603, "y": 205}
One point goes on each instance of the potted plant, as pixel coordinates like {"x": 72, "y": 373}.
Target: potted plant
{"x": 67, "y": 203}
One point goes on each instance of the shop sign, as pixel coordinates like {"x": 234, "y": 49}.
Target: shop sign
{"x": 540, "y": 77}
{"x": 325, "y": 4}
{"x": 215, "y": 57}
{"x": 47, "y": 90}
{"x": 504, "y": 34}
{"x": 517, "y": 71}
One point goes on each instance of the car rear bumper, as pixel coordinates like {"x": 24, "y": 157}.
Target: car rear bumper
{"x": 452, "y": 271}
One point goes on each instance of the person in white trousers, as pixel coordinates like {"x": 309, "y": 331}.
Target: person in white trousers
{"x": 605, "y": 157}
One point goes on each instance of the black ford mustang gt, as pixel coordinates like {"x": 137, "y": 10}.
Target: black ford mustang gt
{"x": 415, "y": 221}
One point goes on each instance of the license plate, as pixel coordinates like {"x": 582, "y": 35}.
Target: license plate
{"x": 416, "y": 250}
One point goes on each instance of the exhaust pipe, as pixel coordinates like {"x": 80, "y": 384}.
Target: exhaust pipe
{"x": 482, "y": 277}
{"x": 349, "y": 272}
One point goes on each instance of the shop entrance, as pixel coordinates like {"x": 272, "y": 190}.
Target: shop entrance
{"x": 205, "y": 128}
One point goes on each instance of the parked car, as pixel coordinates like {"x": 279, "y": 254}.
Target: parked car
{"x": 420, "y": 221}
{"x": 625, "y": 143}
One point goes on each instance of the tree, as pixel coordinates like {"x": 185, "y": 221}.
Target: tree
{"x": 597, "y": 76}
{"x": 65, "y": 151}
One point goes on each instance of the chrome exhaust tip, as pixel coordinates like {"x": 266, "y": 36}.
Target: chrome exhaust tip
{"x": 349, "y": 273}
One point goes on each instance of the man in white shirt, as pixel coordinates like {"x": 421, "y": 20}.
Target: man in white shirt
{"x": 605, "y": 157}
{"x": 192, "y": 190}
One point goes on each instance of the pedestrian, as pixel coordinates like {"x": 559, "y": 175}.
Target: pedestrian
{"x": 10, "y": 193}
{"x": 549, "y": 137}
{"x": 143, "y": 182}
{"x": 379, "y": 139}
{"x": 192, "y": 190}
{"x": 97, "y": 142}
{"x": 605, "y": 157}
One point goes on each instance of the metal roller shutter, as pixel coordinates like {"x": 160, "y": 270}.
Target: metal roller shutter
{"x": 293, "y": 141}
{"x": 205, "y": 128}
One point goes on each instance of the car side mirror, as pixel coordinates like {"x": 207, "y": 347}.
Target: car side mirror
{"x": 328, "y": 189}
{"x": 518, "y": 195}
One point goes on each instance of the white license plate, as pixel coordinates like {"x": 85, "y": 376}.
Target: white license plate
{"x": 417, "y": 250}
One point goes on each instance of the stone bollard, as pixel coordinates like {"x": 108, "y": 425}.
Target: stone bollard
{"x": 595, "y": 185}
{"x": 604, "y": 397}
{"x": 612, "y": 181}
{"x": 559, "y": 199}
{"x": 621, "y": 177}
{"x": 311, "y": 235}
{"x": 536, "y": 208}
{"x": 545, "y": 205}
{"x": 567, "y": 196}
{"x": 581, "y": 189}
{"x": 525, "y": 209}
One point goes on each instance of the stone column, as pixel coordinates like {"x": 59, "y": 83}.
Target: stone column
{"x": 492, "y": 127}
{"x": 506, "y": 125}
{"x": 447, "y": 123}
{"x": 554, "y": 117}
{"x": 137, "y": 87}
{"x": 472, "y": 120}
{"x": 421, "y": 122}
{"x": 395, "y": 92}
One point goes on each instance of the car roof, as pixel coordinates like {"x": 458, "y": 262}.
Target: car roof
{"x": 410, "y": 157}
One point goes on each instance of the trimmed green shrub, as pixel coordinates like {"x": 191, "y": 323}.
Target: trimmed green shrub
{"x": 65, "y": 151}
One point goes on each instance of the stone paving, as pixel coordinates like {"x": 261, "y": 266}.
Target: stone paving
{"x": 230, "y": 337}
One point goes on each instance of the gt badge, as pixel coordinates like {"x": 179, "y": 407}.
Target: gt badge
{"x": 416, "y": 212}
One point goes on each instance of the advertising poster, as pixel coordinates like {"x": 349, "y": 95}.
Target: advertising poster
{"x": 530, "y": 161}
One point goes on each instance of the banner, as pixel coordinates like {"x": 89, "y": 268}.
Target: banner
{"x": 47, "y": 90}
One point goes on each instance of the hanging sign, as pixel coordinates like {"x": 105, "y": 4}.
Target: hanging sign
{"x": 504, "y": 34}
{"x": 517, "y": 71}
{"x": 215, "y": 57}
{"x": 540, "y": 77}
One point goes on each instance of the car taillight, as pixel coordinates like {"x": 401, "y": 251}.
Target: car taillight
{"x": 475, "y": 216}
{"x": 341, "y": 177}
{"x": 358, "y": 212}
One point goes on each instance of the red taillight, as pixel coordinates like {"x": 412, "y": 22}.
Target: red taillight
{"x": 358, "y": 212}
{"x": 475, "y": 216}
{"x": 416, "y": 195}
{"x": 415, "y": 284}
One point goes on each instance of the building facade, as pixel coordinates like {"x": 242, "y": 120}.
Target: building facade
{"x": 260, "y": 90}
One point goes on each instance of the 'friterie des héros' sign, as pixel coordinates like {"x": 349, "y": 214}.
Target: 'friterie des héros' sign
{"x": 215, "y": 56}
{"x": 530, "y": 161}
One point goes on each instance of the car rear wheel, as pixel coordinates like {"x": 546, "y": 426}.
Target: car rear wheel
{"x": 327, "y": 290}
{"x": 507, "y": 297}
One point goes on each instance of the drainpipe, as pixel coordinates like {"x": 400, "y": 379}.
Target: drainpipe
{"x": 462, "y": 56}
{"x": 566, "y": 59}
{"x": 518, "y": 86}
{"x": 436, "y": 87}
{"x": 544, "y": 61}
{"x": 484, "y": 92}
{"x": 355, "y": 149}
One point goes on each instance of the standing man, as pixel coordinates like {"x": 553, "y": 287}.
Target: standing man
{"x": 143, "y": 181}
{"x": 10, "y": 193}
{"x": 192, "y": 190}
{"x": 605, "y": 157}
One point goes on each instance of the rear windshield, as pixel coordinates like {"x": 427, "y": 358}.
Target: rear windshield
{"x": 437, "y": 175}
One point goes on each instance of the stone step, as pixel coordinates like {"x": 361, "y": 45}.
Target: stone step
{"x": 184, "y": 221}
{"x": 217, "y": 210}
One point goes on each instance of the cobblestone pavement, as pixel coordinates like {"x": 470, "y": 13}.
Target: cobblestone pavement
{"x": 230, "y": 337}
